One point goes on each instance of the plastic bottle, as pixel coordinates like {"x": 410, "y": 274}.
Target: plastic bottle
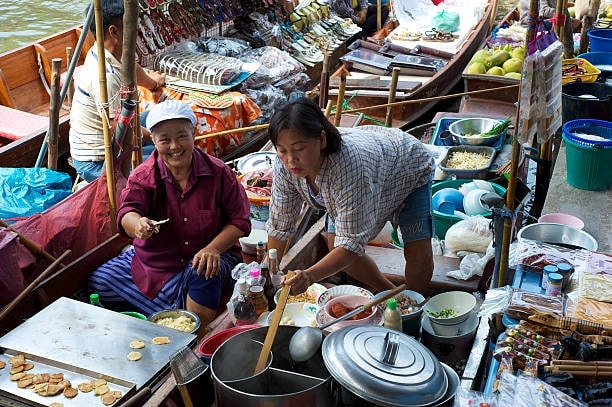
{"x": 244, "y": 310}
{"x": 555, "y": 284}
{"x": 566, "y": 270}
{"x": 549, "y": 268}
{"x": 393, "y": 316}
{"x": 275, "y": 273}
{"x": 256, "y": 291}
{"x": 94, "y": 299}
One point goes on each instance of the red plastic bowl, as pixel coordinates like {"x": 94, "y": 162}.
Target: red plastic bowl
{"x": 212, "y": 343}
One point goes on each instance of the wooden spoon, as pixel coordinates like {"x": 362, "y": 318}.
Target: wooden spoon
{"x": 273, "y": 328}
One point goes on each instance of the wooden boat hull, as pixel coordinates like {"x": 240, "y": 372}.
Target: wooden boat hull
{"x": 439, "y": 84}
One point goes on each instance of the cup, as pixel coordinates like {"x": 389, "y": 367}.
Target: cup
{"x": 446, "y": 138}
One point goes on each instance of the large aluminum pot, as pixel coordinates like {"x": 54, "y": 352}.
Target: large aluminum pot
{"x": 282, "y": 383}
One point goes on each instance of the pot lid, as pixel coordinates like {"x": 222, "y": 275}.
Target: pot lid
{"x": 260, "y": 160}
{"x": 384, "y": 367}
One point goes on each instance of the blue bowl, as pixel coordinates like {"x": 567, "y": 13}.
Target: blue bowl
{"x": 447, "y": 200}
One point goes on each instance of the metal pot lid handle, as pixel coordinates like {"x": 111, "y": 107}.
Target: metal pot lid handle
{"x": 390, "y": 348}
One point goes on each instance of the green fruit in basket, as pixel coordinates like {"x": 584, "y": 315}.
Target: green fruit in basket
{"x": 513, "y": 65}
{"x": 518, "y": 52}
{"x": 499, "y": 57}
{"x": 513, "y": 75}
{"x": 481, "y": 55}
{"x": 476, "y": 68}
{"x": 496, "y": 70}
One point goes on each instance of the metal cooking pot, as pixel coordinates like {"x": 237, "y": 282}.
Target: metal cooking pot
{"x": 282, "y": 383}
{"x": 387, "y": 368}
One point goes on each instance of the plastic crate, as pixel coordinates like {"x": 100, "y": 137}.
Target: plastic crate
{"x": 476, "y": 173}
{"x": 588, "y": 161}
{"x": 444, "y": 123}
{"x": 590, "y": 72}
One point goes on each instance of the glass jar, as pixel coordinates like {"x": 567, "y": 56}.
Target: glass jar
{"x": 258, "y": 298}
{"x": 549, "y": 268}
{"x": 566, "y": 270}
{"x": 555, "y": 284}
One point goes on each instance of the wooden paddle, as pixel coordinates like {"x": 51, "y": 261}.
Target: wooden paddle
{"x": 276, "y": 318}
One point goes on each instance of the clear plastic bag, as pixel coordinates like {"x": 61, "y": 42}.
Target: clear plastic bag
{"x": 275, "y": 65}
{"x": 473, "y": 235}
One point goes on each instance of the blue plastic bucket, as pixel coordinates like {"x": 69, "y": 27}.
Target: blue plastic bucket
{"x": 600, "y": 39}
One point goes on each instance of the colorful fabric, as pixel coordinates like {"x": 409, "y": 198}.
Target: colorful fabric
{"x": 240, "y": 113}
{"x": 212, "y": 199}
{"x": 363, "y": 185}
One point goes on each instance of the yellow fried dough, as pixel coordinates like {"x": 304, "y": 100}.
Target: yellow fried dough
{"x": 70, "y": 392}
{"x": 160, "y": 340}
{"x": 85, "y": 387}
{"x": 17, "y": 360}
{"x": 108, "y": 399}
{"x": 101, "y": 390}
{"x": 134, "y": 356}
{"x": 137, "y": 344}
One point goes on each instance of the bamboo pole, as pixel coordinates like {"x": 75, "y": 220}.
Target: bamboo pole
{"x": 378, "y": 15}
{"x": 432, "y": 99}
{"x": 340, "y": 100}
{"x": 587, "y": 24}
{"x": 328, "y": 108}
{"x": 55, "y": 106}
{"x": 70, "y": 81}
{"x": 392, "y": 89}
{"x": 128, "y": 72}
{"x": 324, "y": 83}
{"x": 514, "y": 163}
{"x": 7, "y": 310}
{"x": 108, "y": 151}
{"x": 493, "y": 14}
{"x": 30, "y": 244}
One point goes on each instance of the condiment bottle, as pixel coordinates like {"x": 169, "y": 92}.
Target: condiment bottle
{"x": 393, "y": 316}
{"x": 555, "y": 284}
{"x": 566, "y": 270}
{"x": 549, "y": 268}
{"x": 256, "y": 291}
{"x": 269, "y": 290}
{"x": 261, "y": 252}
{"x": 244, "y": 310}
{"x": 94, "y": 299}
{"x": 274, "y": 266}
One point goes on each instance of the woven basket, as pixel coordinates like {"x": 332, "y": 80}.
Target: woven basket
{"x": 424, "y": 132}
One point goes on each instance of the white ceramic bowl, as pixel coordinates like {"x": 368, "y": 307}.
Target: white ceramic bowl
{"x": 562, "y": 218}
{"x": 339, "y": 290}
{"x": 454, "y": 330}
{"x": 460, "y": 302}
{"x": 249, "y": 243}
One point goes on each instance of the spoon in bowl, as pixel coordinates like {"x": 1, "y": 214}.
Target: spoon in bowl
{"x": 306, "y": 341}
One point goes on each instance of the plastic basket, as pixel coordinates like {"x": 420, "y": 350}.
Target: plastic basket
{"x": 588, "y": 161}
{"x": 590, "y": 72}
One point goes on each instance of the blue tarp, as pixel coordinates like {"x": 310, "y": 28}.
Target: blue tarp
{"x": 26, "y": 191}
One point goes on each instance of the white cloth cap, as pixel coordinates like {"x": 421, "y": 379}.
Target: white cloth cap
{"x": 168, "y": 110}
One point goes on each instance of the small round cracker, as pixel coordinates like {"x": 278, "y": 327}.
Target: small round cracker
{"x": 71, "y": 392}
{"x": 160, "y": 340}
{"x": 108, "y": 399}
{"x": 98, "y": 382}
{"x": 85, "y": 387}
{"x": 101, "y": 390}
{"x": 56, "y": 404}
{"x": 2, "y": 364}
{"x": 17, "y": 376}
{"x": 134, "y": 356}
{"x": 137, "y": 344}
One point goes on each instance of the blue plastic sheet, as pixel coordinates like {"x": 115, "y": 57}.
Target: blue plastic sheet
{"x": 26, "y": 191}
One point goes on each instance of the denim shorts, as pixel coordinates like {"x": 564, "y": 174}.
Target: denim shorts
{"x": 88, "y": 170}
{"x": 415, "y": 219}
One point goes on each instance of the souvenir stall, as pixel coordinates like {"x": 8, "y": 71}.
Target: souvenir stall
{"x": 233, "y": 61}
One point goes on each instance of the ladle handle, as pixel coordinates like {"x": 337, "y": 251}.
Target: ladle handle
{"x": 370, "y": 304}
{"x": 276, "y": 318}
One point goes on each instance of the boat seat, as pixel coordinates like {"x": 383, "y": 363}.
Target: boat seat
{"x": 15, "y": 124}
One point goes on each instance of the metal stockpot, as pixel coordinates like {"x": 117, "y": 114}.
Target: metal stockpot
{"x": 386, "y": 368}
{"x": 282, "y": 383}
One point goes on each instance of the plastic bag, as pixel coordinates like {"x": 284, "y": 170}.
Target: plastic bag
{"x": 472, "y": 264}
{"x": 26, "y": 191}
{"x": 445, "y": 21}
{"x": 472, "y": 235}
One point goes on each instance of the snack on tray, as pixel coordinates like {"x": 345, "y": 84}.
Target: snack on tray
{"x": 522, "y": 304}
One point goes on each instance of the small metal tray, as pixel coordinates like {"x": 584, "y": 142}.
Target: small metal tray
{"x": 477, "y": 173}
{"x": 74, "y": 375}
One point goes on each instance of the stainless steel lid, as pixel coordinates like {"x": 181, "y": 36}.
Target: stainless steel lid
{"x": 384, "y": 367}
{"x": 259, "y": 160}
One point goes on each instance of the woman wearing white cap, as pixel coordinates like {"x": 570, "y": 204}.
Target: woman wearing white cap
{"x": 186, "y": 261}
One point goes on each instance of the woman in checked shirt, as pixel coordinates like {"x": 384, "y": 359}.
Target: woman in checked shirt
{"x": 363, "y": 177}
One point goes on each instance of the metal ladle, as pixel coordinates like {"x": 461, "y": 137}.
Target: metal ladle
{"x": 306, "y": 341}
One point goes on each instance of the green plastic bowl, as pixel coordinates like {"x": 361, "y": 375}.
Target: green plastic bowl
{"x": 443, "y": 221}
{"x": 134, "y": 314}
